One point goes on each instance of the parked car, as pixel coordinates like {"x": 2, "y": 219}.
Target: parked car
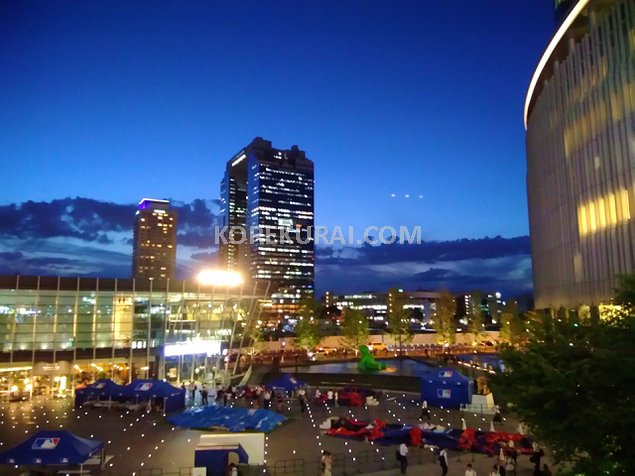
{"x": 377, "y": 346}
{"x": 325, "y": 351}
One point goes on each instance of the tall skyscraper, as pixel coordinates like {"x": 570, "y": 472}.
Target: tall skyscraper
{"x": 580, "y": 120}
{"x": 154, "y": 247}
{"x": 267, "y": 196}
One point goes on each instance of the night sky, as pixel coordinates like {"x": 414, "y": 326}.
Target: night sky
{"x": 411, "y": 111}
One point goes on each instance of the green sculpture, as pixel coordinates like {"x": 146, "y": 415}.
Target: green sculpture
{"x": 367, "y": 361}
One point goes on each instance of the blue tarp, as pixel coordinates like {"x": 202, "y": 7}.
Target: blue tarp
{"x": 52, "y": 447}
{"x": 234, "y": 419}
{"x": 102, "y": 389}
{"x": 286, "y": 381}
{"x": 144, "y": 390}
{"x": 446, "y": 387}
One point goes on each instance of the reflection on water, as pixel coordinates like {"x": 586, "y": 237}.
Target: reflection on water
{"x": 394, "y": 367}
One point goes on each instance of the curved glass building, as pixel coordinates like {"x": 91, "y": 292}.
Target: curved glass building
{"x": 579, "y": 115}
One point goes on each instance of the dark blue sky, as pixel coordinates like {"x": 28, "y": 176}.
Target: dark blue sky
{"x": 115, "y": 101}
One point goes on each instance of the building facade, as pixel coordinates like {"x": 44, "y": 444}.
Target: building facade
{"x": 154, "y": 241}
{"x": 490, "y": 305}
{"x": 125, "y": 328}
{"x": 580, "y": 120}
{"x": 376, "y": 306}
{"x": 267, "y": 209}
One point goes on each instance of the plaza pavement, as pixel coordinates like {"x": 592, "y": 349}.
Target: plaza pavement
{"x": 140, "y": 441}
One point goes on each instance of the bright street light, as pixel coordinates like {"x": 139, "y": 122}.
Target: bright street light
{"x": 215, "y": 277}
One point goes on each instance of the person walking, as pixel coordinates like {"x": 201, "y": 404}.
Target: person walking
{"x": 470, "y": 471}
{"x": 302, "y": 400}
{"x": 403, "y": 457}
{"x": 443, "y": 461}
{"x": 494, "y": 471}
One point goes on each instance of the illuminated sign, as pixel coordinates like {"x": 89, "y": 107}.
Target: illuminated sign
{"x": 209, "y": 347}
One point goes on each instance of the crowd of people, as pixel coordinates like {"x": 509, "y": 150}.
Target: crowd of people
{"x": 248, "y": 396}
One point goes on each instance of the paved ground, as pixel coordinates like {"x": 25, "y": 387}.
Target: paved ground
{"x": 138, "y": 441}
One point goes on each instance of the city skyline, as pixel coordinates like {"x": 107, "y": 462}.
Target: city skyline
{"x": 423, "y": 103}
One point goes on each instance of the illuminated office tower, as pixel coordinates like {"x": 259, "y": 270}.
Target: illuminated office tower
{"x": 268, "y": 193}
{"x": 580, "y": 120}
{"x": 154, "y": 253}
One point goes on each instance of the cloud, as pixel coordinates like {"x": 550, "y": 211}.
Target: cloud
{"x": 86, "y": 237}
{"x": 207, "y": 257}
{"x": 95, "y": 221}
{"x": 488, "y": 264}
{"x": 433, "y": 251}
{"x": 10, "y": 256}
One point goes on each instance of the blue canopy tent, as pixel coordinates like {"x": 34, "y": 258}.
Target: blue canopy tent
{"x": 286, "y": 381}
{"x": 56, "y": 447}
{"x": 445, "y": 387}
{"x": 172, "y": 398}
{"x": 102, "y": 389}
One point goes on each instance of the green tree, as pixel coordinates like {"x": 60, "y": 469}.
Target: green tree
{"x": 309, "y": 307}
{"x": 624, "y": 293}
{"x": 398, "y": 319}
{"x": 444, "y": 320}
{"x": 354, "y": 329}
{"x": 572, "y": 384}
{"x": 307, "y": 333}
{"x": 512, "y": 326}
{"x": 476, "y": 320}
{"x": 254, "y": 339}
{"x": 307, "y": 329}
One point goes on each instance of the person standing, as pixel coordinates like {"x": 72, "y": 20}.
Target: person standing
{"x": 267, "y": 399}
{"x": 443, "y": 461}
{"x": 327, "y": 463}
{"x": 425, "y": 411}
{"x": 203, "y": 395}
{"x": 302, "y": 400}
{"x": 497, "y": 414}
{"x": 470, "y": 471}
{"x": 494, "y": 471}
{"x": 403, "y": 457}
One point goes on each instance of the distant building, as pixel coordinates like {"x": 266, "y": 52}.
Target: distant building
{"x": 267, "y": 197}
{"x": 490, "y": 303}
{"x": 580, "y": 120}
{"x": 154, "y": 244}
{"x": 376, "y": 306}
